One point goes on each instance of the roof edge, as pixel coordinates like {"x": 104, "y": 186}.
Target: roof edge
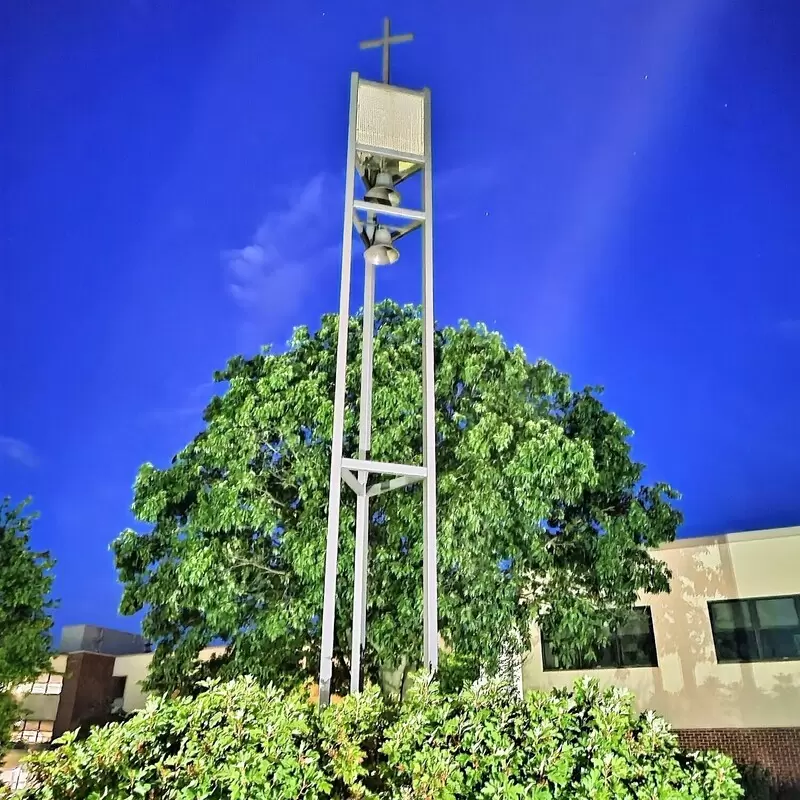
{"x": 730, "y": 538}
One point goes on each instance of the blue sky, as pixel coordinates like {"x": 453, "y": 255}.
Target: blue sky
{"x": 617, "y": 189}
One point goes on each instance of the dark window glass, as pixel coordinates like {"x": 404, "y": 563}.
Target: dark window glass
{"x": 118, "y": 687}
{"x": 763, "y": 629}
{"x": 632, "y": 645}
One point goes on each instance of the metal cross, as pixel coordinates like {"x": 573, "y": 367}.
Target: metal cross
{"x": 386, "y": 41}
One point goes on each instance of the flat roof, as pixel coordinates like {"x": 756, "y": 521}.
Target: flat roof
{"x": 730, "y": 538}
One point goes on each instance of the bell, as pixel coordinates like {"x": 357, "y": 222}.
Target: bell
{"x": 383, "y": 191}
{"x": 381, "y": 252}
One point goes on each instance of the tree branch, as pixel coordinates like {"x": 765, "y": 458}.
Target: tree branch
{"x": 238, "y": 561}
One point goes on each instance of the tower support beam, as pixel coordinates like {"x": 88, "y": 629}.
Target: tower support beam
{"x": 335, "y": 490}
{"x": 389, "y": 135}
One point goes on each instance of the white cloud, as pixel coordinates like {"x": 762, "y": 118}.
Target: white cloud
{"x": 453, "y": 186}
{"x": 269, "y": 277}
{"x": 17, "y": 450}
{"x": 190, "y": 406}
{"x": 461, "y": 180}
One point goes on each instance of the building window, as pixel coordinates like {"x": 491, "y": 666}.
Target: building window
{"x": 118, "y": 692}
{"x": 32, "y": 731}
{"x": 761, "y": 629}
{"x": 632, "y": 645}
{"x": 45, "y": 684}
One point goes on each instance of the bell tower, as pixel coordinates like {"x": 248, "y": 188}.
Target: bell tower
{"x": 389, "y": 140}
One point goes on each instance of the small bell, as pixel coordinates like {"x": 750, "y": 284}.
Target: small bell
{"x": 381, "y": 252}
{"x": 383, "y": 192}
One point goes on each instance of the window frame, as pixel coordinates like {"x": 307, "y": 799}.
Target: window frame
{"x": 32, "y": 726}
{"x": 752, "y": 612}
{"x": 614, "y": 642}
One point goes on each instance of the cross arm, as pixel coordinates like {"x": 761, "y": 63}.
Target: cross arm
{"x": 399, "y": 39}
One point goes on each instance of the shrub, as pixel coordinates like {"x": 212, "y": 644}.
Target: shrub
{"x": 234, "y": 740}
{"x": 581, "y": 743}
{"x": 760, "y": 784}
{"x": 237, "y": 740}
{"x": 756, "y": 782}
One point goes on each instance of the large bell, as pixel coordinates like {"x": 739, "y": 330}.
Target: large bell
{"x": 383, "y": 191}
{"x": 381, "y": 252}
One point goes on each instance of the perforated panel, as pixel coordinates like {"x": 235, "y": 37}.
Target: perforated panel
{"x": 391, "y": 118}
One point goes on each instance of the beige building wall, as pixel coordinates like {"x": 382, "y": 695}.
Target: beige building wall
{"x": 43, "y": 706}
{"x": 40, "y": 706}
{"x": 35, "y": 707}
{"x": 59, "y": 664}
{"x": 689, "y": 688}
{"x": 134, "y": 669}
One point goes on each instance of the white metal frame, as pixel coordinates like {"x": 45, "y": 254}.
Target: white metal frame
{"x": 356, "y": 472}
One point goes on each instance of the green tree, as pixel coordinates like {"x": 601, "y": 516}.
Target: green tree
{"x": 542, "y": 515}
{"x": 25, "y": 622}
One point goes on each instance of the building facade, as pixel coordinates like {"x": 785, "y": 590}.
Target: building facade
{"x": 82, "y": 688}
{"x": 718, "y": 657}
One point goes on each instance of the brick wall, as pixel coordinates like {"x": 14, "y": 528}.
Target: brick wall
{"x": 87, "y": 693}
{"x": 776, "y": 749}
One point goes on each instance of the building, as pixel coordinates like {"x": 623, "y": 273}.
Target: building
{"x": 81, "y": 688}
{"x": 131, "y": 669}
{"x": 97, "y": 672}
{"x": 718, "y": 657}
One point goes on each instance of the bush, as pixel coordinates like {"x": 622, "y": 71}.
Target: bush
{"x": 583, "y": 743}
{"x": 237, "y": 740}
{"x": 760, "y": 784}
{"x": 234, "y": 740}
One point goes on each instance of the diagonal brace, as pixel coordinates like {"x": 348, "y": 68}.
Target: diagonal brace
{"x": 353, "y": 482}
{"x": 393, "y": 483}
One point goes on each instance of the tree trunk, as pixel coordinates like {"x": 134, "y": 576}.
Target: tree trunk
{"x": 393, "y": 678}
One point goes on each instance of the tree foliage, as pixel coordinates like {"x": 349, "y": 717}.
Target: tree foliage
{"x": 238, "y": 740}
{"x": 542, "y": 514}
{"x": 25, "y": 584}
